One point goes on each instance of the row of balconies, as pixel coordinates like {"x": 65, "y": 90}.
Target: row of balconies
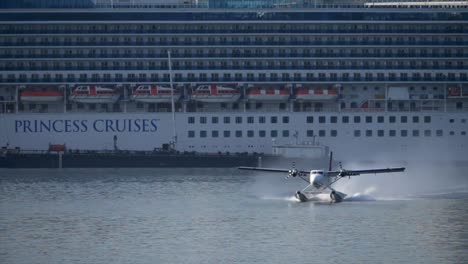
{"x": 236, "y": 79}
{"x": 234, "y": 67}
{"x": 440, "y": 42}
{"x": 163, "y": 55}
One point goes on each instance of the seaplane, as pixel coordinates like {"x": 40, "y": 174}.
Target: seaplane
{"x": 321, "y": 181}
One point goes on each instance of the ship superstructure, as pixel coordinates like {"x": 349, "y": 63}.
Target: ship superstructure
{"x": 388, "y": 78}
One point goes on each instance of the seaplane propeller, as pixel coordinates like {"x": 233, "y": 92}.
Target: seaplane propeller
{"x": 293, "y": 173}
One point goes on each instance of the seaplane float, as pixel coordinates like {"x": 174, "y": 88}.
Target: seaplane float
{"x": 321, "y": 181}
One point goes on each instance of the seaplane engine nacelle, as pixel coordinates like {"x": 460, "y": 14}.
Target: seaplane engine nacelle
{"x": 317, "y": 179}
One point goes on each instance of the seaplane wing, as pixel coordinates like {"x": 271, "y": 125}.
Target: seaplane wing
{"x": 297, "y": 172}
{"x": 344, "y": 173}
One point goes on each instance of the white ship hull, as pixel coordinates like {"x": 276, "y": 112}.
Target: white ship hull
{"x": 146, "y": 131}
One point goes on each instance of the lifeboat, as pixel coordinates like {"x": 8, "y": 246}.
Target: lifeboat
{"x": 94, "y": 94}
{"x": 154, "y": 94}
{"x": 41, "y": 96}
{"x": 268, "y": 94}
{"x": 215, "y": 94}
{"x": 316, "y": 94}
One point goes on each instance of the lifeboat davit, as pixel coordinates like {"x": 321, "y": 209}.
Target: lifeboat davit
{"x": 41, "y": 96}
{"x": 154, "y": 94}
{"x": 94, "y": 94}
{"x": 215, "y": 94}
{"x": 268, "y": 94}
{"x": 316, "y": 94}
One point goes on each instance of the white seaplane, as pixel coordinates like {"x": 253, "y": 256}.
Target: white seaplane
{"x": 320, "y": 181}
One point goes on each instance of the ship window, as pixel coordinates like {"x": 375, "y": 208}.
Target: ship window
{"x": 226, "y": 133}
{"x": 79, "y": 105}
{"x": 452, "y": 120}
{"x": 274, "y": 119}
{"x": 273, "y": 133}
{"x": 321, "y": 133}
{"x": 285, "y": 119}
{"x": 215, "y": 133}
{"x": 392, "y": 133}
{"x": 333, "y": 119}
{"x": 452, "y": 133}
{"x": 415, "y": 133}
{"x": 250, "y": 133}
{"x": 214, "y": 120}
{"x": 415, "y": 119}
{"x": 427, "y": 119}
{"x": 368, "y": 119}
{"x": 404, "y": 133}
{"x": 380, "y": 133}
{"x": 357, "y": 119}
{"x": 191, "y": 134}
{"x": 427, "y": 133}
{"x": 92, "y": 107}
{"x": 203, "y": 133}
{"x": 321, "y": 119}
{"x": 262, "y": 133}
{"x": 380, "y": 119}
{"x": 333, "y": 133}
{"x": 261, "y": 119}
{"x": 285, "y": 133}
{"x": 227, "y": 120}
{"x": 310, "y": 133}
{"x": 250, "y": 119}
{"x": 463, "y": 120}
{"x": 368, "y": 133}
{"x": 404, "y": 119}
{"x": 463, "y": 133}
{"x": 357, "y": 133}
{"x": 238, "y": 133}
{"x": 392, "y": 119}
{"x": 191, "y": 120}
{"x": 202, "y": 119}
{"x": 439, "y": 133}
{"x": 345, "y": 119}
{"x": 238, "y": 119}
{"x": 310, "y": 119}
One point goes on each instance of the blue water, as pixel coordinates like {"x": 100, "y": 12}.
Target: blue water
{"x": 217, "y": 216}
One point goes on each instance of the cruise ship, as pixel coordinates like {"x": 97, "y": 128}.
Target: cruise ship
{"x": 372, "y": 80}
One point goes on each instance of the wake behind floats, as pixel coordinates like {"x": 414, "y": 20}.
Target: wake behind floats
{"x": 320, "y": 181}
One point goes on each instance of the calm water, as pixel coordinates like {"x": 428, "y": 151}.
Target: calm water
{"x": 220, "y": 216}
